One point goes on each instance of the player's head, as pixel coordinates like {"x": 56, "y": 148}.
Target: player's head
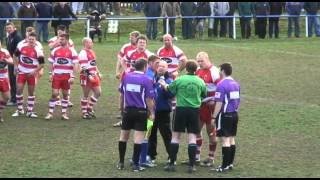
{"x": 87, "y": 43}
{"x": 225, "y": 69}
{"x": 153, "y": 62}
{"x": 61, "y": 29}
{"x": 10, "y": 27}
{"x": 133, "y": 37}
{"x": 142, "y": 41}
{"x": 167, "y": 39}
{"x": 191, "y": 66}
{"x": 32, "y": 38}
{"x": 141, "y": 65}
{"x": 162, "y": 67}
{"x": 203, "y": 60}
{"x": 29, "y": 30}
{"x": 64, "y": 39}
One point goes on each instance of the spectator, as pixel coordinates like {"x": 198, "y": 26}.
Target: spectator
{"x": 95, "y": 27}
{"x": 220, "y": 9}
{"x": 6, "y": 11}
{"x": 27, "y": 10}
{"x": 116, "y": 8}
{"x": 15, "y": 6}
{"x": 262, "y": 9}
{"x": 152, "y": 9}
{"x": 203, "y": 9}
{"x": 13, "y": 39}
{"x": 137, "y": 6}
{"x": 44, "y": 10}
{"x": 275, "y": 9}
{"x": 312, "y": 9}
{"x": 232, "y": 8}
{"x": 170, "y": 9}
{"x": 211, "y": 20}
{"x": 294, "y": 10}
{"x": 187, "y": 9}
{"x": 77, "y": 7}
{"x": 245, "y": 10}
{"x": 62, "y": 10}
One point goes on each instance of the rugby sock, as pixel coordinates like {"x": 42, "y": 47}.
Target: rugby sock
{"x": 225, "y": 156}
{"x": 31, "y": 103}
{"x": 174, "y": 148}
{"x": 233, "y": 152}
{"x": 2, "y": 105}
{"x": 64, "y": 105}
{"x": 92, "y": 102}
{"x": 69, "y": 92}
{"x": 212, "y": 149}
{"x": 19, "y": 102}
{"x": 199, "y": 145}
{"x": 192, "y": 148}
{"x": 122, "y": 150}
{"x": 84, "y": 104}
{"x": 52, "y": 104}
{"x": 136, "y": 153}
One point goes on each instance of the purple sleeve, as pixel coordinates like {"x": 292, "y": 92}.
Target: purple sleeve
{"x": 149, "y": 88}
{"x": 220, "y": 93}
{"x": 121, "y": 87}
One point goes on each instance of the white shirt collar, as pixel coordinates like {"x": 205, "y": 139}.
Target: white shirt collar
{"x": 139, "y": 72}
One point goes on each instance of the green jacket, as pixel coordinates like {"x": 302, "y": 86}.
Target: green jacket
{"x": 246, "y": 8}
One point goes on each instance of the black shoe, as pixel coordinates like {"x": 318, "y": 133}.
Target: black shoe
{"x": 191, "y": 169}
{"x": 120, "y": 166}
{"x": 170, "y": 168}
{"x": 137, "y": 168}
{"x": 221, "y": 169}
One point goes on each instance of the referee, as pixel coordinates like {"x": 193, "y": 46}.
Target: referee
{"x": 189, "y": 89}
{"x": 137, "y": 94}
{"x": 227, "y": 99}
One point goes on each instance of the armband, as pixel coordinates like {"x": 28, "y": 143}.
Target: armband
{"x": 41, "y": 60}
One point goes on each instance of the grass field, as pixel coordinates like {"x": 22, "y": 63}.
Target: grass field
{"x": 278, "y": 133}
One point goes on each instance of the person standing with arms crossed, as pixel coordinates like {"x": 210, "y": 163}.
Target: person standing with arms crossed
{"x": 189, "y": 89}
{"x": 225, "y": 115}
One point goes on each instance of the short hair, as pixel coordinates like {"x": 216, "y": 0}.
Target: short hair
{"x": 135, "y": 33}
{"x": 85, "y": 39}
{"x": 227, "y": 68}
{"x": 30, "y": 29}
{"x": 65, "y": 35}
{"x": 143, "y": 37}
{"x": 10, "y": 24}
{"x": 191, "y": 66}
{"x": 61, "y": 27}
{"x": 203, "y": 54}
{"x": 140, "y": 64}
{"x": 153, "y": 58}
{"x": 32, "y": 34}
{"x": 167, "y": 35}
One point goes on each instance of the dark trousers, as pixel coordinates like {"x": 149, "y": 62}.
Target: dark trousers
{"x": 24, "y": 25}
{"x": 152, "y": 28}
{"x": 2, "y": 31}
{"x": 223, "y": 29}
{"x": 172, "y": 27}
{"x": 294, "y": 20}
{"x": 230, "y": 27}
{"x": 42, "y": 27}
{"x": 161, "y": 122}
{"x": 262, "y": 27}
{"x": 245, "y": 27}
{"x": 187, "y": 28}
{"x": 13, "y": 84}
{"x": 94, "y": 32}
{"x": 274, "y": 27}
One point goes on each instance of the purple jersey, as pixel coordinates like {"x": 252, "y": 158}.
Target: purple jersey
{"x": 228, "y": 92}
{"x": 135, "y": 88}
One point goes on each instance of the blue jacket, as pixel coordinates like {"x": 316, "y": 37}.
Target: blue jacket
{"x": 44, "y": 10}
{"x": 163, "y": 97}
{"x": 294, "y": 8}
{"x": 152, "y": 9}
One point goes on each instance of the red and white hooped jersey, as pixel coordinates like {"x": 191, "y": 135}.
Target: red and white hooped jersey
{"x": 4, "y": 54}
{"x": 28, "y": 59}
{"x": 63, "y": 60}
{"x": 125, "y": 49}
{"x": 211, "y": 77}
{"x": 55, "y": 38}
{"x": 135, "y": 55}
{"x": 87, "y": 60}
{"x": 175, "y": 55}
{"x": 25, "y": 43}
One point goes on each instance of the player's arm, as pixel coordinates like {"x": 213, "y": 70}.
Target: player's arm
{"x": 41, "y": 65}
{"x": 16, "y": 59}
{"x": 9, "y": 59}
{"x": 217, "y": 109}
{"x": 118, "y": 69}
{"x": 150, "y": 104}
{"x": 53, "y": 44}
{"x": 182, "y": 63}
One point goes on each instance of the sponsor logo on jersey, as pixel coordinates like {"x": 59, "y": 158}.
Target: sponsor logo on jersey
{"x": 93, "y": 63}
{"x": 3, "y": 64}
{"x": 27, "y": 60}
{"x": 62, "y": 61}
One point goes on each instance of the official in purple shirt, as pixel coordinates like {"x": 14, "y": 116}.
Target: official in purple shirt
{"x": 137, "y": 98}
{"x": 225, "y": 115}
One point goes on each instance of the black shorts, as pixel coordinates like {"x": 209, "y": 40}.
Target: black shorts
{"x": 187, "y": 118}
{"x": 134, "y": 118}
{"x": 226, "y": 124}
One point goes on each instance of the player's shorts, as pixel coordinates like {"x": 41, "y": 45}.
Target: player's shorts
{"x": 186, "y": 118}
{"x": 205, "y": 113}
{"x": 23, "y": 78}
{"x": 227, "y": 124}
{"x": 4, "y": 85}
{"x": 134, "y": 118}
{"x": 61, "y": 81}
{"x": 85, "y": 82}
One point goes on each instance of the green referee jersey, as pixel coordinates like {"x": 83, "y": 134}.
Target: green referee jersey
{"x": 189, "y": 90}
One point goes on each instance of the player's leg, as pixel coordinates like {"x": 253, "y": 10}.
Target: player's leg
{"x": 64, "y": 104}
{"x": 31, "y": 97}
{"x": 199, "y": 141}
{"x": 84, "y": 102}
{"x": 52, "y": 103}
{"x": 94, "y": 99}
{"x": 21, "y": 79}
{"x": 3, "y": 102}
